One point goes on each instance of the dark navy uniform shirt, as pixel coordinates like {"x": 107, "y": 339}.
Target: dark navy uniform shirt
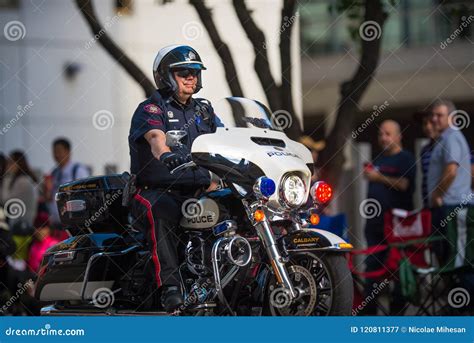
{"x": 166, "y": 113}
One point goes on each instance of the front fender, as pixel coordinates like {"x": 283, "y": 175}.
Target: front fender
{"x": 313, "y": 240}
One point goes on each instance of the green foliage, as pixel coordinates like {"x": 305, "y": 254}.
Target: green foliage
{"x": 354, "y": 10}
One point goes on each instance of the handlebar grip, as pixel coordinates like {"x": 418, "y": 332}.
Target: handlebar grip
{"x": 186, "y": 165}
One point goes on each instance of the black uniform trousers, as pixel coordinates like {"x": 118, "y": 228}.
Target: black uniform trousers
{"x": 157, "y": 213}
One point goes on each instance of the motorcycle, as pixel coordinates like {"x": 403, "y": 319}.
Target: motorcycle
{"x": 250, "y": 248}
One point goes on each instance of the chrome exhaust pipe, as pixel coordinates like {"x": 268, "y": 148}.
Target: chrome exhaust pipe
{"x": 226, "y": 247}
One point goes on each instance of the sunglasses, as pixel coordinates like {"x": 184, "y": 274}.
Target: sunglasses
{"x": 186, "y": 72}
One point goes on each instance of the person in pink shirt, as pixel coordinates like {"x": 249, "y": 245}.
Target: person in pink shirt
{"x": 42, "y": 241}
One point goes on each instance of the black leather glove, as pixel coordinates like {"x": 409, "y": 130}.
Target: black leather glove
{"x": 172, "y": 160}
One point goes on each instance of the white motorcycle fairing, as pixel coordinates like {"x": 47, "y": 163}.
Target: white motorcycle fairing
{"x": 241, "y": 155}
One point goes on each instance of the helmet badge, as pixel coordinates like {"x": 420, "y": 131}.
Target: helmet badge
{"x": 191, "y": 56}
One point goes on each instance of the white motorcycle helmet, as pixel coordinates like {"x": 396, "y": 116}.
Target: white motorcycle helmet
{"x": 172, "y": 58}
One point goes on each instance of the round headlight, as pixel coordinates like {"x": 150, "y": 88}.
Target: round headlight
{"x": 293, "y": 190}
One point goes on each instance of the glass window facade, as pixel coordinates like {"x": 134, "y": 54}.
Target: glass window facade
{"x": 411, "y": 23}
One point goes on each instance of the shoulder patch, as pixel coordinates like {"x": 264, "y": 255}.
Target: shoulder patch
{"x": 154, "y": 122}
{"x": 152, "y": 108}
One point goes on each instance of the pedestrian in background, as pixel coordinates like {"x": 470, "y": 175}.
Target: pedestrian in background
{"x": 391, "y": 177}
{"x": 449, "y": 179}
{"x": 42, "y": 241}
{"x": 425, "y": 155}
{"x": 20, "y": 197}
{"x": 20, "y": 187}
{"x": 66, "y": 170}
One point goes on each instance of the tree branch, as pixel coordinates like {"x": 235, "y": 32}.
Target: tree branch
{"x": 87, "y": 10}
{"x": 351, "y": 93}
{"x": 261, "y": 65}
{"x": 222, "y": 49}
{"x": 286, "y": 28}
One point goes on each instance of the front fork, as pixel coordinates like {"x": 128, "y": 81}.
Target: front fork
{"x": 267, "y": 238}
{"x": 265, "y": 234}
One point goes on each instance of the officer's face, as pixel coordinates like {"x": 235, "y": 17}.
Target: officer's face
{"x": 186, "y": 84}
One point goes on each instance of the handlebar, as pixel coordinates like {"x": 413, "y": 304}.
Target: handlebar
{"x": 190, "y": 164}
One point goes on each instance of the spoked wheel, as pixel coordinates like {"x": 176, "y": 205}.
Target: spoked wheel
{"x": 323, "y": 286}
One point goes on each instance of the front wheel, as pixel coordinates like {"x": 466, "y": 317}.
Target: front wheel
{"x": 323, "y": 285}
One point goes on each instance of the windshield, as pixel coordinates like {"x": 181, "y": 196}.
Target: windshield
{"x": 243, "y": 112}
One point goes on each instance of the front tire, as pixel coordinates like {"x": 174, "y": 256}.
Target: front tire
{"x": 331, "y": 287}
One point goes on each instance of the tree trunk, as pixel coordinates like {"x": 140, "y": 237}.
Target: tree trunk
{"x": 332, "y": 157}
{"x": 286, "y": 28}
{"x": 222, "y": 49}
{"x": 87, "y": 10}
{"x": 279, "y": 97}
{"x": 261, "y": 65}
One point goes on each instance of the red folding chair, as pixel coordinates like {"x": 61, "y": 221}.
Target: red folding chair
{"x": 406, "y": 236}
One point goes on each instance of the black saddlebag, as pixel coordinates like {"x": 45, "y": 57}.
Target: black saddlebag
{"x": 77, "y": 267}
{"x": 93, "y": 204}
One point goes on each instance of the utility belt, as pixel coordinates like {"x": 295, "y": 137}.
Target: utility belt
{"x": 132, "y": 188}
{"x": 167, "y": 189}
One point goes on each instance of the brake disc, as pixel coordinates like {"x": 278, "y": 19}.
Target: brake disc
{"x": 306, "y": 294}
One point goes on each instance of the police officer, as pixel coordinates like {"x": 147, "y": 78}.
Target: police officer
{"x": 160, "y": 195}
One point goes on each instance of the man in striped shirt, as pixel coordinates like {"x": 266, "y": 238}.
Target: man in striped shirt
{"x": 425, "y": 155}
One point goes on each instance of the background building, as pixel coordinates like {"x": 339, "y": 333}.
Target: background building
{"x": 427, "y": 53}
{"x": 56, "y": 80}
